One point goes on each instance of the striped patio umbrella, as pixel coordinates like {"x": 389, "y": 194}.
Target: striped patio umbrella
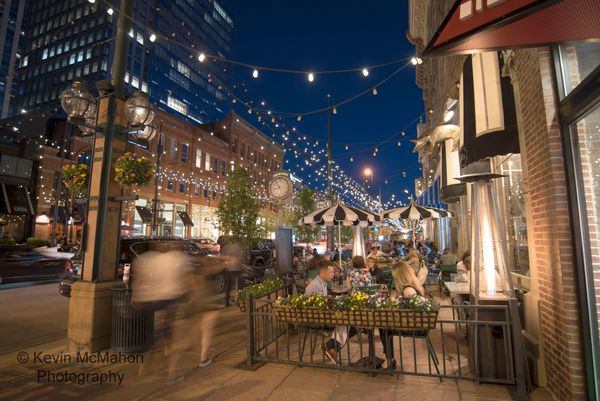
{"x": 415, "y": 212}
{"x": 340, "y": 214}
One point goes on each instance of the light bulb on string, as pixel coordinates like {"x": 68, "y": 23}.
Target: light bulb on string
{"x": 152, "y": 38}
{"x": 334, "y": 110}
{"x": 311, "y": 77}
{"x": 374, "y": 91}
{"x": 201, "y": 57}
{"x": 255, "y": 73}
{"x": 347, "y": 147}
{"x": 398, "y": 143}
{"x": 299, "y": 117}
{"x": 365, "y": 72}
{"x": 351, "y": 158}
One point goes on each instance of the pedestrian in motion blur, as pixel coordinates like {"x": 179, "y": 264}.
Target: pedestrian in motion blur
{"x": 182, "y": 286}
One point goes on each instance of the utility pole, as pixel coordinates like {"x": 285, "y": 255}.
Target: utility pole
{"x": 330, "y": 242}
{"x": 159, "y": 151}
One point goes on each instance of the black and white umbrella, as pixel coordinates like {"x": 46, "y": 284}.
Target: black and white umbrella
{"x": 340, "y": 214}
{"x": 415, "y": 212}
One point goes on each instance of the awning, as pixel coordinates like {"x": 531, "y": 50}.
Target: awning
{"x": 145, "y": 214}
{"x": 490, "y": 124}
{"x": 186, "y": 219}
{"x": 480, "y": 25}
{"x": 15, "y": 200}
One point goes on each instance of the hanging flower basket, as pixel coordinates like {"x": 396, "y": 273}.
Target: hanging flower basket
{"x": 75, "y": 177}
{"x": 358, "y": 310}
{"x": 133, "y": 170}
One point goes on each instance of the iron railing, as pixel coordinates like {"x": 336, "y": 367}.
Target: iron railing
{"x": 472, "y": 342}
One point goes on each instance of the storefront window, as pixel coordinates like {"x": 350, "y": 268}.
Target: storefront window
{"x": 167, "y": 216}
{"x": 578, "y": 61}
{"x": 179, "y": 226}
{"x": 587, "y": 134}
{"x": 138, "y": 224}
{"x": 512, "y": 198}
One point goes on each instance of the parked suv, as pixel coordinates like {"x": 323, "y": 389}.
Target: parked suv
{"x": 260, "y": 254}
{"x": 131, "y": 247}
{"x": 208, "y": 244}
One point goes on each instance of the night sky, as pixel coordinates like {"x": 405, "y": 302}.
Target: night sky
{"x": 323, "y": 35}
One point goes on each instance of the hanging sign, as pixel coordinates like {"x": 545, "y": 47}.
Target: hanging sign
{"x": 477, "y": 25}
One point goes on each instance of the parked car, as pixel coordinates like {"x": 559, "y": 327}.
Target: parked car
{"x": 260, "y": 253}
{"x": 208, "y": 244}
{"x": 131, "y": 247}
{"x": 26, "y": 265}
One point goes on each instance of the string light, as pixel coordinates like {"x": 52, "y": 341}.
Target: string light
{"x": 152, "y": 38}
{"x": 365, "y": 72}
{"x": 374, "y": 91}
{"x": 334, "y": 110}
{"x": 255, "y": 73}
{"x": 201, "y": 57}
{"x": 110, "y": 11}
{"x": 311, "y": 77}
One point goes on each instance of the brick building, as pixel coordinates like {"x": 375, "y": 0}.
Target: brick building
{"x": 548, "y": 197}
{"x": 194, "y": 165}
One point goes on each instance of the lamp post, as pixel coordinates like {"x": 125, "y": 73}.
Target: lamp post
{"x": 330, "y": 240}
{"x": 368, "y": 172}
{"x": 91, "y": 298}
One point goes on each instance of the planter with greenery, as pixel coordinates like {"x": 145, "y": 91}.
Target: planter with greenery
{"x": 37, "y": 242}
{"x": 259, "y": 290}
{"x": 359, "y": 310}
{"x": 133, "y": 170}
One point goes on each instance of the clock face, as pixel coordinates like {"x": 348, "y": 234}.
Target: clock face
{"x": 280, "y": 188}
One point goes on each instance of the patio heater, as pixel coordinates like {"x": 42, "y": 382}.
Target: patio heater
{"x": 496, "y": 349}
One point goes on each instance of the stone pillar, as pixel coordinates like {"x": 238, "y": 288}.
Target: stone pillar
{"x": 91, "y": 299}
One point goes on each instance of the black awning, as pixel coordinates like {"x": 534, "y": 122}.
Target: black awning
{"x": 494, "y": 142}
{"x": 15, "y": 200}
{"x": 186, "y": 219}
{"x": 145, "y": 214}
{"x": 62, "y": 216}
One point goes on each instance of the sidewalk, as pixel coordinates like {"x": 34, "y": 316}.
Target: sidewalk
{"x": 223, "y": 379}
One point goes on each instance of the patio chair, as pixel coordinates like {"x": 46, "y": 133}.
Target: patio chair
{"x": 446, "y": 272}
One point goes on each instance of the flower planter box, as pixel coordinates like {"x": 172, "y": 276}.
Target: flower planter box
{"x": 271, "y": 296}
{"x": 404, "y": 319}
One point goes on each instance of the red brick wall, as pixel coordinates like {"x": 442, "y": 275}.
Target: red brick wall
{"x": 550, "y": 222}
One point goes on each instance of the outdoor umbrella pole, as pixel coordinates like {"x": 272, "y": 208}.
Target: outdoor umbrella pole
{"x": 340, "y": 245}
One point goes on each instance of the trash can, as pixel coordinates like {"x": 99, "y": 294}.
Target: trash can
{"x": 132, "y": 329}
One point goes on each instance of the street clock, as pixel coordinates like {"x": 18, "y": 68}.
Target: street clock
{"x": 280, "y": 187}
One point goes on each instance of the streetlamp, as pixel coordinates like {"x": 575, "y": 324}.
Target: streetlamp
{"x": 368, "y": 172}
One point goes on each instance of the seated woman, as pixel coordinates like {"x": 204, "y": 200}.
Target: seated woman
{"x": 359, "y": 277}
{"x": 407, "y": 285}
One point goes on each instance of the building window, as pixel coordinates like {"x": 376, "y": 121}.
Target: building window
{"x": 139, "y": 38}
{"x": 243, "y": 149}
{"x": 197, "y": 189}
{"x": 223, "y": 168}
{"x": 173, "y": 149}
{"x": 207, "y": 161}
{"x": 215, "y": 168}
{"x": 198, "y": 158}
{"x": 206, "y": 192}
{"x": 45, "y": 54}
{"x": 177, "y": 105}
{"x": 135, "y": 82}
{"x": 184, "y": 152}
{"x": 170, "y": 185}
{"x": 183, "y": 69}
{"x": 182, "y": 187}
{"x": 214, "y": 194}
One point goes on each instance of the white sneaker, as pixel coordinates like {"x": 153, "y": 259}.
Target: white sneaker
{"x": 204, "y": 363}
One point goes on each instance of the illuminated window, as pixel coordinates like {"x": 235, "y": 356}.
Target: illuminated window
{"x": 177, "y": 105}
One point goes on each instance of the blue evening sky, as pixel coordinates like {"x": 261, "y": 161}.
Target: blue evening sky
{"x": 322, "y": 35}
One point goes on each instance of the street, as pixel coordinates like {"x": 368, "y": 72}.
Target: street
{"x": 31, "y": 316}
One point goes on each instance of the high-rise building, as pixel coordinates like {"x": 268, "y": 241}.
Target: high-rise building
{"x": 67, "y": 39}
{"x": 12, "y": 14}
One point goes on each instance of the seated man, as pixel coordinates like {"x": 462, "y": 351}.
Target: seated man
{"x": 340, "y": 333}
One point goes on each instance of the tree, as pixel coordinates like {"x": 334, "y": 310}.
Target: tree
{"x": 305, "y": 204}
{"x": 238, "y": 209}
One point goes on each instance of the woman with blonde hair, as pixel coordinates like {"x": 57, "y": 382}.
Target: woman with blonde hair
{"x": 406, "y": 281}
{"x": 407, "y": 285}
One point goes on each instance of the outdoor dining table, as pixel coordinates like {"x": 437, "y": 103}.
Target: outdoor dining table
{"x": 457, "y": 288}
